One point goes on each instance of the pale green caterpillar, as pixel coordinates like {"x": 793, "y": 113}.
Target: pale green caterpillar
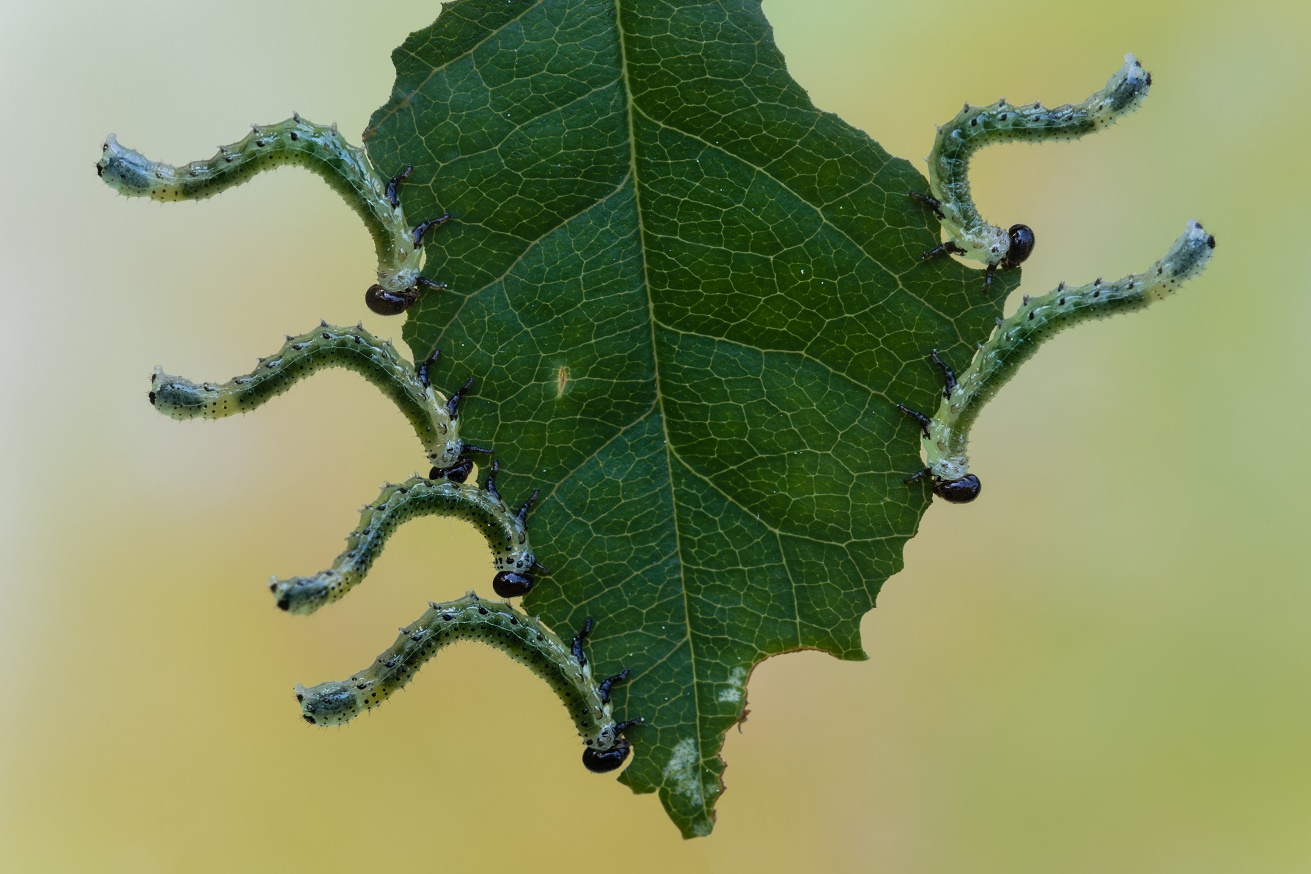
{"x": 977, "y": 126}
{"x": 1016, "y": 340}
{"x": 506, "y": 532}
{"x": 317, "y": 148}
{"x": 521, "y": 637}
{"x": 435, "y": 418}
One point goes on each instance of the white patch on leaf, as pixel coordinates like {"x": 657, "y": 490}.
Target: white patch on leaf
{"x": 737, "y": 680}
{"x": 680, "y": 771}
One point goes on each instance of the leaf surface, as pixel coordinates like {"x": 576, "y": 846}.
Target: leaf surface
{"x": 691, "y": 300}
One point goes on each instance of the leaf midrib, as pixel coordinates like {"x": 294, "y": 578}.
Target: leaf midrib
{"x": 629, "y": 113}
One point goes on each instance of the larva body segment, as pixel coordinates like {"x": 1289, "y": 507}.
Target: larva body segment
{"x": 498, "y": 625}
{"x": 300, "y": 357}
{"x": 975, "y": 127}
{"x": 506, "y": 532}
{"x": 318, "y": 148}
{"x": 1016, "y": 339}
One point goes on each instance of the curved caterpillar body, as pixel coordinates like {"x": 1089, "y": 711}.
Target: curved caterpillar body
{"x": 521, "y": 637}
{"x": 435, "y": 418}
{"x": 317, "y": 148}
{"x": 506, "y": 532}
{"x": 969, "y": 235}
{"x": 1017, "y": 338}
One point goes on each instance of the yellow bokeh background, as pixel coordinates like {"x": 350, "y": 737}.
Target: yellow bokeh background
{"x": 1103, "y": 665}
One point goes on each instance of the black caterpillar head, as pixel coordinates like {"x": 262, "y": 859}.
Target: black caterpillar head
{"x": 389, "y": 303}
{"x": 456, "y": 473}
{"x": 601, "y": 761}
{"x": 958, "y": 491}
{"x": 1021, "y": 237}
{"x": 509, "y": 584}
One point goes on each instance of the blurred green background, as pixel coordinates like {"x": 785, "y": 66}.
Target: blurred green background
{"x": 1102, "y": 666}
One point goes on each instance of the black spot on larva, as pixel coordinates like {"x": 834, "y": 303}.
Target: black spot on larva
{"x": 1210, "y": 241}
{"x": 300, "y": 697}
{"x": 151, "y": 395}
{"x": 309, "y": 719}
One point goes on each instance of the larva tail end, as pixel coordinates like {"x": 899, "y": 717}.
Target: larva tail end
{"x": 300, "y": 595}
{"x": 1190, "y": 253}
{"x": 330, "y": 703}
{"x": 1126, "y": 89}
{"x": 124, "y": 170}
{"x": 180, "y": 398}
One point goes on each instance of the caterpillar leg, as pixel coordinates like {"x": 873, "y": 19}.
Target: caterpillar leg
{"x": 394, "y": 185}
{"x": 917, "y": 476}
{"x": 355, "y": 349}
{"x": 319, "y": 149}
{"x": 608, "y": 683}
{"x": 930, "y": 201}
{"x": 506, "y": 533}
{"x": 521, "y": 637}
{"x": 1016, "y": 340}
{"x": 453, "y": 405}
{"x": 422, "y": 228}
{"x": 576, "y": 647}
{"x": 947, "y": 248}
{"x": 922, "y": 420}
{"x": 948, "y": 375}
{"x": 423, "y": 368}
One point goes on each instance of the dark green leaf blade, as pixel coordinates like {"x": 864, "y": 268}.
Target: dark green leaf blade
{"x": 692, "y": 300}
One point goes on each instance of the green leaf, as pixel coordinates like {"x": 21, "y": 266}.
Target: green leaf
{"x": 691, "y": 300}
